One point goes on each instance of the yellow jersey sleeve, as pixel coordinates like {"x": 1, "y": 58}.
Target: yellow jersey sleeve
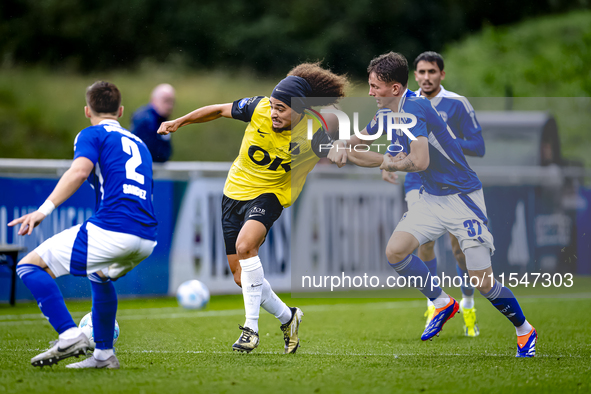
{"x": 269, "y": 161}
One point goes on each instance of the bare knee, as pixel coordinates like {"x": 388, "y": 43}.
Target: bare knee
{"x": 484, "y": 286}
{"x": 395, "y": 254}
{"x": 483, "y": 279}
{"x": 246, "y": 250}
{"x": 34, "y": 259}
{"x": 400, "y": 245}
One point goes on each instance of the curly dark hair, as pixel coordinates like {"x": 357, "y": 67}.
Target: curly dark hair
{"x": 390, "y": 67}
{"x": 323, "y": 82}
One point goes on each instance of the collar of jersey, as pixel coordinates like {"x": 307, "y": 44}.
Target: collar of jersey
{"x": 402, "y": 100}
{"x": 302, "y": 126}
{"x": 437, "y": 99}
{"x": 109, "y": 121}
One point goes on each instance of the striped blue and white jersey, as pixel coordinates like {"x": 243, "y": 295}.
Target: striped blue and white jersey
{"x": 448, "y": 172}
{"x": 457, "y": 111}
{"x": 121, "y": 178}
{"x": 459, "y": 115}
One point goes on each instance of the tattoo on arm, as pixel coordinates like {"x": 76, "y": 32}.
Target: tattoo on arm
{"x": 405, "y": 165}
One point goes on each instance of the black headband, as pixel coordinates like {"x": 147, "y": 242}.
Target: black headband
{"x": 290, "y": 88}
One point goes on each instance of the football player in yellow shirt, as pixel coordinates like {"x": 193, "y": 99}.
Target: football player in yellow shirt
{"x": 267, "y": 176}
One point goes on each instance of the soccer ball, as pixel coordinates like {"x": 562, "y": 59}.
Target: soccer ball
{"x": 86, "y": 327}
{"x": 192, "y": 294}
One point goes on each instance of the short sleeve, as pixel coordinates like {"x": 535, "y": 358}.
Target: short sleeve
{"x": 244, "y": 108}
{"x": 86, "y": 145}
{"x": 373, "y": 126}
{"x": 321, "y": 143}
{"x": 420, "y": 129}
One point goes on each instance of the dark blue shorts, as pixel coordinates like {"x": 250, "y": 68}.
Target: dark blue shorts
{"x": 266, "y": 209}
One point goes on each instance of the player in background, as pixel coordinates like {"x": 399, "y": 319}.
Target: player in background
{"x": 267, "y": 176}
{"x": 120, "y": 234}
{"x": 457, "y": 112}
{"x": 452, "y": 200}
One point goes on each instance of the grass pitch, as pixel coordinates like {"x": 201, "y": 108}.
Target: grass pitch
{"x": 347, "y": 345}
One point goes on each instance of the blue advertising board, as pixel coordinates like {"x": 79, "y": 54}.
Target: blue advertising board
{"x": 19, "y": 196}
{"x": 533, "y": 233}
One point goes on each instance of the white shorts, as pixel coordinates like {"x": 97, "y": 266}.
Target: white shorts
{"x": 463, "y": 215}
{"x": 412, "y": 197}
{"x": 85, "y": 249}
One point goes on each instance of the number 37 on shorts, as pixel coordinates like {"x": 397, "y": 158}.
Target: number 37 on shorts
{"x": 474, "y": 227}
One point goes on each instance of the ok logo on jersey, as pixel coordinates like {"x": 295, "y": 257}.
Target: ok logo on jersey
{"x": 266, "y": 159}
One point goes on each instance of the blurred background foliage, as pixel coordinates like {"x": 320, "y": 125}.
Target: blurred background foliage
{"x": 265, "y": 36}
{"x": 213, "y": 51}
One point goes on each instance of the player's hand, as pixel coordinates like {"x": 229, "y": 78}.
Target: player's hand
{"x": 168, "y": 127}
{"x": 390, "y": 177}
{"x": 399, "y": 156}
{"x": 338, "y": 154}
{"x": 388, "y": 163}
{"x": 28, "y": 222}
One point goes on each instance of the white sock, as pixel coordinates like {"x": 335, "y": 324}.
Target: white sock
{"x": 523, "y": 329}
{"x": 252, "y": 278}
{"x": 429, "y": 303}
{"x": 272, "y": 304}
{"x": 441, "y": 301}
{"x": 468, "y": 302}
{"x": 71, "y": 333}
{"x": 103, "y": 354}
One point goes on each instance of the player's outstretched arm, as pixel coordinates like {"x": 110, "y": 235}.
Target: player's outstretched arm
{"x": 338, "y": 153}
{"x": 67, "y": 185}
{"x": 200, "y": 115}
{"x": 363, "y": 159}
{"x": 416, "y": 161}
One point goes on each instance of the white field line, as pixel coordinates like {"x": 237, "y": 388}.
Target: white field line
{"x": 177, "y": 313}
{"x": 336, "y": 354}
{"x": 345, "y": 353}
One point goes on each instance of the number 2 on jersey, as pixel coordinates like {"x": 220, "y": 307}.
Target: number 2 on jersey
{"x": 131, "y": 148}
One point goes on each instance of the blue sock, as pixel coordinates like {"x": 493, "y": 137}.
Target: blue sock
{"x": 432, "y": 266}
{"x": 467, "y": 290}
{"x": 411, "y": 265}
{"x": 48, "y": 296}
{"x": 504, "y": 300}
{"x": 104, "y": 310}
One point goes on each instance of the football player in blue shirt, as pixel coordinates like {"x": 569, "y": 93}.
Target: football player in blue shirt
{"x": 452, "y": 200}
{"x": 459, "y": 115}
{"x": 121, "y": 233}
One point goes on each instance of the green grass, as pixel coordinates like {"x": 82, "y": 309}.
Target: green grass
{"x": 41, "y": 111}
{"x": 348, "y": 345}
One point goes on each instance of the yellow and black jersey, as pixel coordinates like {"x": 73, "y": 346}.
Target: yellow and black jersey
{"x": 269, "y": 161}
